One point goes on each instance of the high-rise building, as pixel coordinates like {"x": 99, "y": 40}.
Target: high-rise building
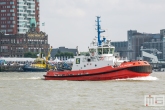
{"x": 15, "y": 15}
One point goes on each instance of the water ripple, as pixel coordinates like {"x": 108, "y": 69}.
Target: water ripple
{"x": 148, "y": 78}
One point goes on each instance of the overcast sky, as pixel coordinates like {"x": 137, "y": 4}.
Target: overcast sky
{"x": 71, "y": 23}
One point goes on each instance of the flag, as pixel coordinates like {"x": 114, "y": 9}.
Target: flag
{"x": 43, "y": 24}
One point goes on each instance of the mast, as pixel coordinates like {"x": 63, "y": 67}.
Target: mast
{"x": 49, "y": 52}
{"x": 99, "y": 31}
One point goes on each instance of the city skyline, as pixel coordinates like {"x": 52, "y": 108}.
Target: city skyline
{"x": 75, "y": 20}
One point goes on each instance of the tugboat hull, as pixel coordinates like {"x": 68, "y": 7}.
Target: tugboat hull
{"x": 105, "y": 73}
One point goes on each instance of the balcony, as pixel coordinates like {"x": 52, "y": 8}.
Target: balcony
{"x": 30, "y": 16}
{"x": 22, "y": 20}
{"x": 22, "y": 11}
{"x": 29, "y": 1}
{"x": 29, "y": 8}
{"x": 22, "y": 28}
{"x": 20, "y": 16}
{"x": 22, "y": 4}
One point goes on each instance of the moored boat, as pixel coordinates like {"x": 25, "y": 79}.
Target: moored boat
{"x": 39, "y": 65}
{"x": 101, "y": 64}
{"x": 30, "y": 68}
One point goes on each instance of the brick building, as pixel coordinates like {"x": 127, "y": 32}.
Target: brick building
{"x": 16, "y": 45}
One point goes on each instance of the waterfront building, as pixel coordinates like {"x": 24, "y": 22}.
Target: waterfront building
{"x": 121, "y": 48}
{"x": 15, "y": 45}
{"x": 154, "y": 43}
{"x": 137, "y": 40}
{"x": 63, "y": 49}
{"x": 162, "y": 37}
{"x": 15, "y": 15}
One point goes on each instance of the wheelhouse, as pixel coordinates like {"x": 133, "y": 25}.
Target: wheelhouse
{"x": 105, "y": 49}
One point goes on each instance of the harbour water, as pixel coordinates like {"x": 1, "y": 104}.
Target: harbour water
{"x": 28, "y": 91}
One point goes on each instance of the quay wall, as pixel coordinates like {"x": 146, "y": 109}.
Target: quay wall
{"x": 11, "y": 68}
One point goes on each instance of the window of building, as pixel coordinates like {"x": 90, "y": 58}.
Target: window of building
{"x": 4, "y": 48}
{"x": 8, "y": 6}
{"x": 13, "y": 22}
{"x": 4, "y": 31}
{"x": 9, "y": 30}
{"x": 3, "y": 10}
{"x": 20, "y": 41}
{"x": 13, "y": 6}
{"x": 11, "y": 41}
{"x": 8, "y": 22}
{"x": 17, "y": 41}
{"x": 12, "y": 10}
{"x": 11, "y": 26}
{"x": 8, "y": 14}
{"x": 11, "y": 2}
{"x": 3, "y": 18}
{"x": 2, "y": 3}
{"x": 3, "y": 26}
{"x": 11, "y": 18}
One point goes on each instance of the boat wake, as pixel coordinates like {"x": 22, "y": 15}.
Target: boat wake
{"x": 147, "y": 78}
{"x": 33, "y": 78}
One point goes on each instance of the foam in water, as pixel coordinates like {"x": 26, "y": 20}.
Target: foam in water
{"x": 149, "y": 78}
{"x": 32, "y": 78}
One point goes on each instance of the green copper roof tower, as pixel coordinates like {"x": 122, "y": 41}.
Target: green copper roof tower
{"x": 32, "y": 23}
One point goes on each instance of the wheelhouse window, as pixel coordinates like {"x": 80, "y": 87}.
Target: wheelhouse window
{"x": 92, "y": 50}
{"x": 99, "y": 51}
{"x": 105, "y": 50}
{"x": 112, "y": 50}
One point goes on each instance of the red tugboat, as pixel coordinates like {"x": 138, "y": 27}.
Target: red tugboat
{"x": 101, "y": 64}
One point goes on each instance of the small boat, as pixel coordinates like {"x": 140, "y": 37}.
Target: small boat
{"x": 39, "y": 65}
{"x": 101, "y": 64}
{"x": 30, "y": 68}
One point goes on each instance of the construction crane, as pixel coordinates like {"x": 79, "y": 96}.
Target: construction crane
{"x": 49, "y": 52}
